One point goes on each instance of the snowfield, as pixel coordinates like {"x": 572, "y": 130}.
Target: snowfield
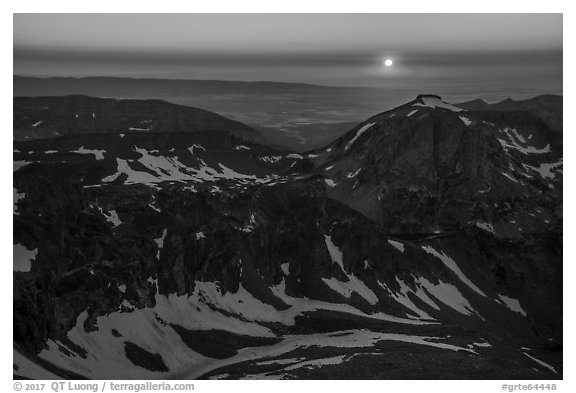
{"x": 99, "y": 154}
{"x": 434, "y": 102}
{"x": 164, "y": 168}
{"x": 29, "y": 369}
{"x": 149, "y": 329}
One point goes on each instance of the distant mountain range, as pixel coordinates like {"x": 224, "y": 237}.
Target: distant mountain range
{"x": 146, "y": 87}
{"x": 157, "y": 241}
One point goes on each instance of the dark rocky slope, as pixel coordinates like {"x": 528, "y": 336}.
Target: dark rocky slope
{"x": 202, "y": 255}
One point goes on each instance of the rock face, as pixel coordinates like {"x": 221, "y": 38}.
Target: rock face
{"x": 433, "y": 167}
{"x": 41, "y": 117}
{"x": 426, "y": 239}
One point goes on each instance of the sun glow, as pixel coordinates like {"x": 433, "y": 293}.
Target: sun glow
{"x": 388, "y": 62}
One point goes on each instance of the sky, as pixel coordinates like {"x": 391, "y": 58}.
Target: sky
{"x": 513, "y": 51}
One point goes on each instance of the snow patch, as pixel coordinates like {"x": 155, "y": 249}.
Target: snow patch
{"x": 334, "y": 252}
{"x": 154, "y": 207}
{"x": 510, "y": 177}
{"x": 403, "y": 298}
{"x": 352, "y": 285}
{"x": 23, "y": 258}
{"x": 300, "y": 305}
{"x": 513, "y": 136}
{"x": 19, "y": 164}
{"x": 279, "y": 361}
{"x": 450, "y": 264}
{"x": 99, "y": 154}
{"x": 542, "y": 363}
{"x": 512, "y": 304}
{"x": 517, "y": 135}
{"x": 28, "y": 369}
{"x": 485, "y": 226}
{"x": 545, "y": 169}
{"x": 271, "y": 159}
{"x": 448, "y": 294}
{"x": 435, "y": 102}
{"x": 195, "y": 146}
{"x": 352, "y": 175}
{"x": 16, "y": 197}
{"x": 399, "y": 246}
{"x": 362, "y": 129}
{"x": 160, "y": 242}
{"x": 171, "y": 169}
{"x": 465, "y": 120}
{"x": 112, "y": 217}
{"x": 318, "y": 363}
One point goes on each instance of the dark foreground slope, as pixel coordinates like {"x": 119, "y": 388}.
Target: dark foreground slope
{"x": 202, "y": 255}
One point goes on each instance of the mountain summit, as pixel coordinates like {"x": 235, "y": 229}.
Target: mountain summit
{"x": 443, "y": 166}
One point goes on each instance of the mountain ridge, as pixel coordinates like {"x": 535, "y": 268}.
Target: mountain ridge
{"x": 546, "y": 106}
{"x": 54, "y": 115}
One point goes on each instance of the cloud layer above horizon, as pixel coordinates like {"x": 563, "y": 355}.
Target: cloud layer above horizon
{"x": 332, "y": 49}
